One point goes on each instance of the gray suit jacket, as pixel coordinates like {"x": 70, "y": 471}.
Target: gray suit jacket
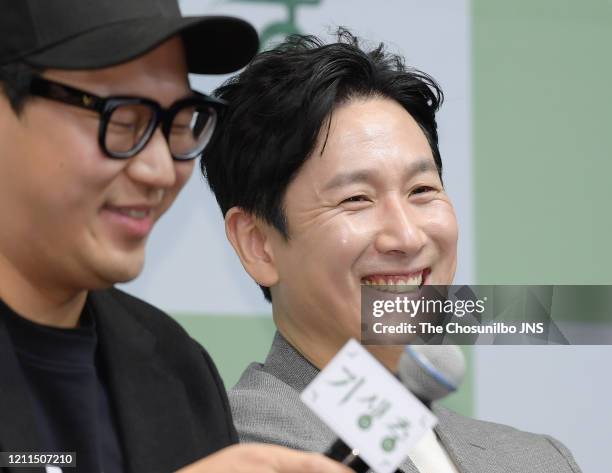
{"x": 266, "y": 408}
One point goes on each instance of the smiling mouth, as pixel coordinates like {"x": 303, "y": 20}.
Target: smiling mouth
{"x": 133, "y": 221}
{"x": 136, "y": 213}
{"x": 397, "y": 283}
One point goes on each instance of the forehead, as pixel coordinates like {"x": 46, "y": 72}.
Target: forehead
{"x": 373, "y": 133}
{"x": 160, "y": 74}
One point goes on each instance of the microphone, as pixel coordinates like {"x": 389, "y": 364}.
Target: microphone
{"x": 430, "y": 372}
{"x": 346, "y": 455}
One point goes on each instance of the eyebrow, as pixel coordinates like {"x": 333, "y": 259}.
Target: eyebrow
{"x": 421, "y": 166}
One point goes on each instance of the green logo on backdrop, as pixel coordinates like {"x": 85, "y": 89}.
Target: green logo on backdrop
{"x": 275, "y": 32}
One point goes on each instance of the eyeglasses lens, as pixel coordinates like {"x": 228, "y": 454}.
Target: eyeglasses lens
{"x": 127, "y": 126}
{"x": 191, "y": 130}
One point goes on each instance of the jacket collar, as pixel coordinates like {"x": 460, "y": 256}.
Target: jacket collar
{"x": 141, "y": 388}
{"x": 286, "y": 363}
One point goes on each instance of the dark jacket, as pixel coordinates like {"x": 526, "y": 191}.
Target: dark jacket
{"x": 170, "y": 405}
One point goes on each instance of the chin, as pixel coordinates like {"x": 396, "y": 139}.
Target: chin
{"x": 120, "y": 270}
{"x": 126, "y": 276}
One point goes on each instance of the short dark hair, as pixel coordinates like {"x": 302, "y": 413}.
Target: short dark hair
{"x": 15, "y": 79}
{"x": 278, "y": 105}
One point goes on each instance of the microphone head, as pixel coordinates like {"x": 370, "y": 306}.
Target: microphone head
{"x": 431, "y": 372}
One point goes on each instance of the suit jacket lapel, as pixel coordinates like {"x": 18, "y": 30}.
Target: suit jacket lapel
{"x": 150, "y": 403}
{"x": 465, "y": 447}
{"x": 18, "y": 428}
{"x": 464, "y": 442}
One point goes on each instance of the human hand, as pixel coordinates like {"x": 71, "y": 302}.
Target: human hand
{"x": 262, "y": 458}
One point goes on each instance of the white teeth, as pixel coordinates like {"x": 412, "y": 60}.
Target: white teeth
{"x": 395, "y": 285}
{"x": 138, "y": 214}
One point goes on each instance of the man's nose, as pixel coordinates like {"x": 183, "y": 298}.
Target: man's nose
{"x": 153, "y": 166}
{"x": 400, "y": 228}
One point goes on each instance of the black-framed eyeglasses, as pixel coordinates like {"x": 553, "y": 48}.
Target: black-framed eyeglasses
{"x": 127, "y": 123}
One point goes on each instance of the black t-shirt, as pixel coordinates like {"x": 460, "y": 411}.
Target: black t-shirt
{"x": 68, "y": 392}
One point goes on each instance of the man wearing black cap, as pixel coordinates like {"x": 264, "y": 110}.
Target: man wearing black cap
{"x": 98, "y": 132}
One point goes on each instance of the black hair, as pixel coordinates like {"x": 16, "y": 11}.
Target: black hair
{"x": 280, "y": 102}
{"x": 15, "y": 79}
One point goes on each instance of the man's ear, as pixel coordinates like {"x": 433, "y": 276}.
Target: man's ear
{"x": 251, "y": 241}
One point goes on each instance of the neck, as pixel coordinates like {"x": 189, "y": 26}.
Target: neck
{"x": 40, "y": 303}
{"x": 316, "y": 351}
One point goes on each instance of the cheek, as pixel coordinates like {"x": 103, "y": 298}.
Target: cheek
{"x": 89, "y": 179}
{"x": 441, "y": 227}
{"x": 67, "y": 160}
{"x": 74, "y": 185}
{"x": 182, "y": 171}
{"x": 336, "y": 246}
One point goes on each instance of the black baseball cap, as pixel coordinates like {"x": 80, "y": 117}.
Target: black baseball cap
{"x": 91, "y": 34}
